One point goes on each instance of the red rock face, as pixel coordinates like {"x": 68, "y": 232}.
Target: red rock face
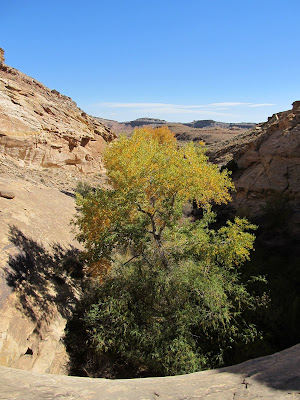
{"x": 41, "y": 127}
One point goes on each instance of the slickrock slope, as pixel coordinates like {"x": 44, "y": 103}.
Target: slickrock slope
{"x": 41, "y": 127}
{"x": 274, "y": 377}
{"x": 37, "y": 294}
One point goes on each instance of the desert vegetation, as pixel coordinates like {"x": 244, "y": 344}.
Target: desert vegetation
{"x": 167, "y": 293}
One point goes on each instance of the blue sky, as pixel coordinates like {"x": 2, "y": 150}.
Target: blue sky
{"x": 232, "y": 61}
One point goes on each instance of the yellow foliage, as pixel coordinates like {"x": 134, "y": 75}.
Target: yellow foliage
{"x": 153, "y": 166}
{"x": 99, "y": 269}
{"x": 151, "y": 179}
{"x": 161, "y": 134}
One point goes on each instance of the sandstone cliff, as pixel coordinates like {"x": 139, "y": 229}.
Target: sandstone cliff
{"x": 41, "y": 127}
{"x": 265, "y": 162}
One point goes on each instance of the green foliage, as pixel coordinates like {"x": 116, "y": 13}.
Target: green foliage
{"x": 171, "y": 299}
{"x": 170, "y": 323}
{"x": 83, "y": 189}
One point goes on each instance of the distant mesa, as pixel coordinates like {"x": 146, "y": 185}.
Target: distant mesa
{"x": 209, "y": 123}
{"x": 146, "y": 121}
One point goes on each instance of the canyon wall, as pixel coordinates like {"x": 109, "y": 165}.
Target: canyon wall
{"x": 41, "y": 127}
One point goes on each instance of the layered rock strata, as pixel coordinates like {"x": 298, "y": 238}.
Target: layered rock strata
{"x": 45, "y": 139}
{"x": 41, "y": 127}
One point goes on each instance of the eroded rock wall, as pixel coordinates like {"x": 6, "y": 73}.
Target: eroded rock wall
{"x": 266, "y": 163}
{"x": 270, "y": 164}
{"x": 42, "y": 127}
{"x": 41, "y": 130}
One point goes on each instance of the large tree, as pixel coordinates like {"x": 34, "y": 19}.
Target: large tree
{"x": 171, "y": 299}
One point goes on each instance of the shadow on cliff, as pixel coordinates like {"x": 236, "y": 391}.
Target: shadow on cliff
{"x": 45, "y": 281}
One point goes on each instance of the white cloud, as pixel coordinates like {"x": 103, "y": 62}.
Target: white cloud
{"x": 221, "y": 111}
{"x": 262, "y": 105}
{"x": 163, "y": 108}
{"x": 178, "y": 107}
{"x": 228, "y": 104}
{"x": 132, "y": 105}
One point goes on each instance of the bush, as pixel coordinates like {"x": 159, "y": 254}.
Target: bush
{"x": 84, "y": 188}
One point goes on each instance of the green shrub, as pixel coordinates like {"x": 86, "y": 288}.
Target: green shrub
{"x": 168, "y": 324}
{"x": 84, "y": 188}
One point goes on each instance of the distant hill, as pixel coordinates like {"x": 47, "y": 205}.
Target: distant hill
{"x": 210, "y": 123}
{"x": 208, "y": 131}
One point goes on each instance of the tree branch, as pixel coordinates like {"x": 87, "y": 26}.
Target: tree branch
{"x": 132, "y": 258}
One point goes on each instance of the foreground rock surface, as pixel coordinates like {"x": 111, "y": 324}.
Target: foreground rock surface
{"x": 267, "y": 378}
